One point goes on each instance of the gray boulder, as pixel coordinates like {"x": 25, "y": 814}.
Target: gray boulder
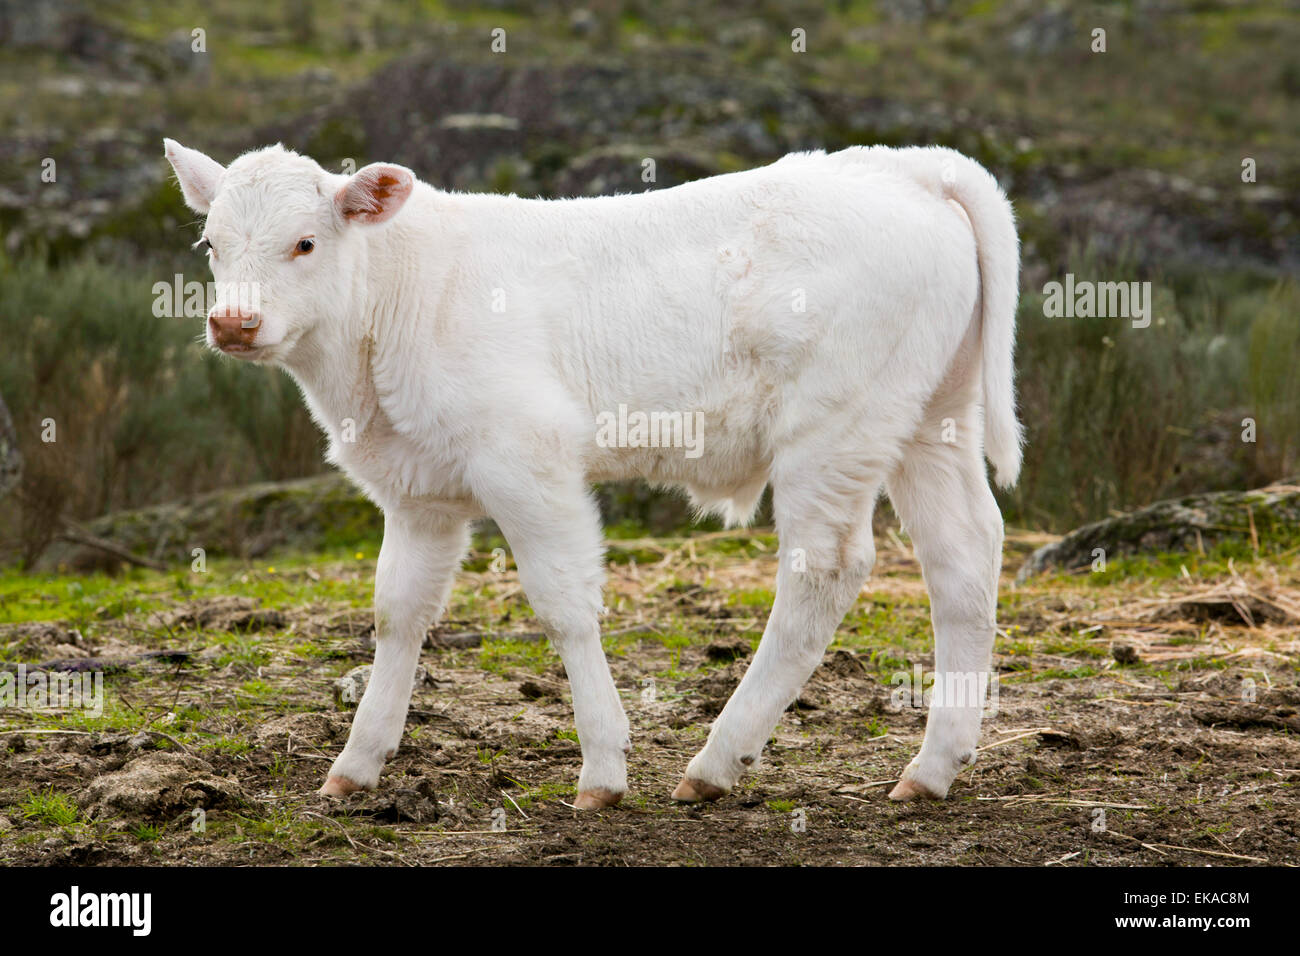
{"x": 1198, "y": 522}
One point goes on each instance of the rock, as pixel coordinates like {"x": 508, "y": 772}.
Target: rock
{"x": 537, "y": 689}
{"x": 247, "y": 521}
{"x": 349, "y": 688}
{"x": 582, "y": 23}
{"x": 727, "y": 651}
{"x": 159, "y": 786}
{"x": 35, "y": 640}
{"x": 11, "y": 460}
{"x": 1246, "y": 716}
{"x": 842, "y": 663}
{"x": 1047, "y": 32}
{"x": 295, "y": 730}
{"x": 1125, "y": 654}
{"x": 179, "y": 47}
{"x": 230, "y": 613}
{"x": 476, "y": 121}
{"x": 913, "y": 11}
{"x": 806, "y": 701}
{"x": 418, "y": 804}
{"x": 1255, "y": 518}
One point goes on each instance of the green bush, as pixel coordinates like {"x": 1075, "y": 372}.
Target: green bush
{"x": 1117, "y": 417}
{"x": 138, "y": 410}
{"x": 1274, "y": 378}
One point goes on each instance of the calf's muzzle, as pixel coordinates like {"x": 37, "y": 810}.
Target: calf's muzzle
{"x": 233, "y": 329}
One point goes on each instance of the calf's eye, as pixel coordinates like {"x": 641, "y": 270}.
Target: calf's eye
{"x": 304, "y": 246}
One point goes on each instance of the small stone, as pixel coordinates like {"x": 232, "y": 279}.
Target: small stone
{"x": 582, "y": 23}
{"x": 537, "y": 689}
{"x": 1125, "y": 654}
{"x": 349, "y": 688}
{"x": 159, "y": 786}
{"x": 727, "y": 650}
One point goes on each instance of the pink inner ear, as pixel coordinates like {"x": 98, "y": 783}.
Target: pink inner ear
{"x": 373, "y": 195}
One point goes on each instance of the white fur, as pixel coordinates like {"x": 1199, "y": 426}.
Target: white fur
{"x": 472, "y": 341}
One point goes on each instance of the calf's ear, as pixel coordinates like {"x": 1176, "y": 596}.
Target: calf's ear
{"x": 374, "y": 193}
{"x": 199, "y": 175}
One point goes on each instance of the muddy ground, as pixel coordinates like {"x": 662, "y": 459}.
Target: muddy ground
{"x": 1139, "y": 721}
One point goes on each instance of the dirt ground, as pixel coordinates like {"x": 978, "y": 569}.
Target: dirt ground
{"x": 1137, "y": 722}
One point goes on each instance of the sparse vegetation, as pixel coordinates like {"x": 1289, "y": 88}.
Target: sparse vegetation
{"x": 1190, "y": 726}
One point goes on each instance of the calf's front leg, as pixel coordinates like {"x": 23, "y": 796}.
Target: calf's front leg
{"x": 553, "y": 528}
{"x": 413, "y": 581}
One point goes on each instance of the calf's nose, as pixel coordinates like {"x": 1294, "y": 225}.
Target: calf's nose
{"x": 233, "y": 329}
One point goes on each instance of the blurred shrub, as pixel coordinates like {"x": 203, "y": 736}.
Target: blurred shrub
{"x": 1117, "y": 416}
{"x": 138, "y": 411}
{"x": 1098, "y": 399}
{"x": 1275, "y": 378}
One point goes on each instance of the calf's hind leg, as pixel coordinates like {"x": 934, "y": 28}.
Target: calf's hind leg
{"x": 823, "y": 517}
{"x": 941, "y": 493}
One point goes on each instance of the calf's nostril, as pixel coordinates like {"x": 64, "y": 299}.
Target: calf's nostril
{"x": 229, "y": 327}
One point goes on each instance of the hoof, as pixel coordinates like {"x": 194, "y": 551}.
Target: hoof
{"x": 911, "y": 790}
{"x": 696, "y": 791}
{"x": 339, "y": 787}
{"x": 597, "y": 798}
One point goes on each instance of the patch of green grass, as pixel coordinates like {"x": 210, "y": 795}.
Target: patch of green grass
{"x": 312, "y": 651}
{"x": 50, "y": 807}
{"x": 501, "y": 655}
{"x": 145, "y": 832}
{"x": 279, "y": 825}
{"x": 241, "y": 650}
{"x": 258, "y": 689}
{"x": 1165, "y": 566}
{"x": 894, "y": 624}
{"x": 1072, "y": 645}
{"x": 235, "y": 746}
{"x": 382, "y": 834}
{"x": 291, "y": 579}
{"x": 1063, "y": 673}
{"x": 115, "y": 717}
{"x": 875, "y": 727}
{"x": 755, "y": 599}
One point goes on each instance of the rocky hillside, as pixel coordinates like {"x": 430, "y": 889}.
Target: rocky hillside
{"x": 581, "y": 97}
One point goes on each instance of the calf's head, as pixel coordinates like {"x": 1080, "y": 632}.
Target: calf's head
{"x": 284, "y": 240}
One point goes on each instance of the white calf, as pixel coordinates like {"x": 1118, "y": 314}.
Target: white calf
{"x": 834, "y": 323}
